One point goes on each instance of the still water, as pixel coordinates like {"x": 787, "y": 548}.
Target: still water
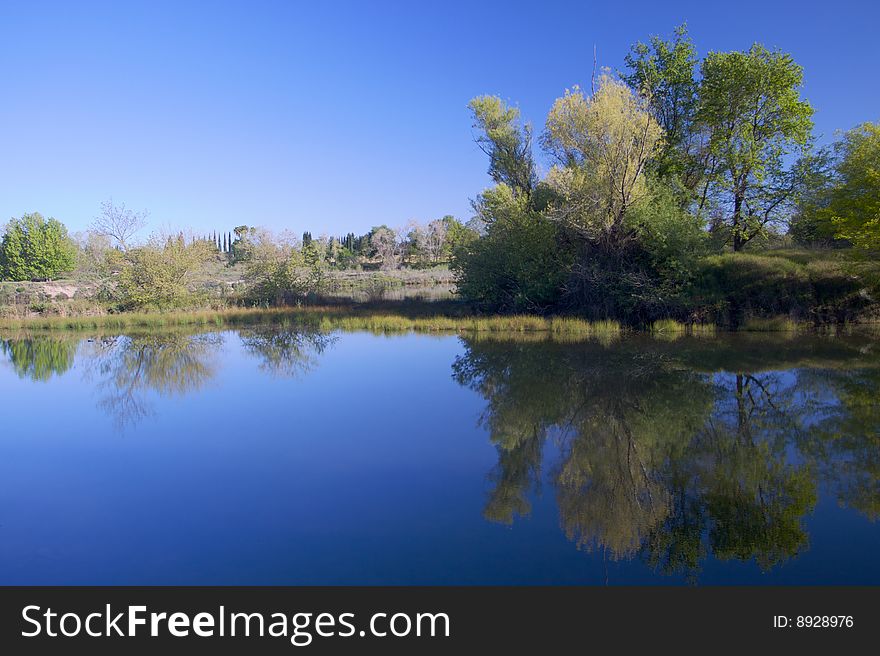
{"x": 271, "y": 456}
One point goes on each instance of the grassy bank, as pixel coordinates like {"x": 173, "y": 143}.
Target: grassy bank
{"x": 379, "y": 318}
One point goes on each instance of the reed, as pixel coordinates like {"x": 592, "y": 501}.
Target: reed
{"x": 771, "y": 325}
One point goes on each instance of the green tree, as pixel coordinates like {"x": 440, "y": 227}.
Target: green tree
{"x": 240, "y": 247}
{"x": 854, "y": 202}
{"x": 278, "y": 273}
{"x": 751, "y": 108}
{"x": 507, "y": 143}
{"x": 601, "y": 145}
{"x": 664, "y": 73}
{"x": 35, "y": 248}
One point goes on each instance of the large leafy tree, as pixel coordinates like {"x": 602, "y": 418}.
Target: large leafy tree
{"x": 751, "y": 108}
{"x": 35, "y": 248}
{"x": 664, "y": 73}
{"x": 854, "y": 201}
{"x": 602, "y": 145}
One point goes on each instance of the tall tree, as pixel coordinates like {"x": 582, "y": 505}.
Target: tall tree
{"x": 35, "y": 248}
{"x": 664, "y": 73}
{"x": 507, "y": 143}
{"x": 602, "y": 145}
{"x": 752, "y": 110}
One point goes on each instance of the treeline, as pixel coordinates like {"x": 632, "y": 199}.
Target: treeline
{"x": 662, "y": 178}
{"x": 414, "y": 245}
{"x": 165, "y": 270}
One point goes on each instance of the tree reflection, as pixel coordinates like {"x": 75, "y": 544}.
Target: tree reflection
{"x": 666, "y": 461}
{"x": 845, "y": 441}
{"x": 285, "y": 352}
{"x": 127, "y": 370}
{"x": 130, "y": 368}
{"x": 39, "y": 357}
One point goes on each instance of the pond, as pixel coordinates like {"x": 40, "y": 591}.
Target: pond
{"x": 271, "y": 455}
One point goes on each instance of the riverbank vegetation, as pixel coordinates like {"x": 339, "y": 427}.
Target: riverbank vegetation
{"x": 679, "y": 193}
{"x": 671, "y": 188}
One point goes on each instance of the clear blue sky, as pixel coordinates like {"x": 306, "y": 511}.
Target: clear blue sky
{"x": 337, "y": 116}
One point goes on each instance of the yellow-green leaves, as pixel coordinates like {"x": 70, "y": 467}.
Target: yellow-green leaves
{"x": 507, "y": 143}
{"x": 601, "y": 145}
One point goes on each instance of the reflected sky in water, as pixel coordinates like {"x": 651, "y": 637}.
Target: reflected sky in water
{"x": 273, "y": 456}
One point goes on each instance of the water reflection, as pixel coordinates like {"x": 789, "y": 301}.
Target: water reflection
{"x": 671, "y": 453}
{"x": 285, "y": 352}
{"x": 38, "y": 357}
{"x": 664, "y": 459}
{"x": 127, "y": 369}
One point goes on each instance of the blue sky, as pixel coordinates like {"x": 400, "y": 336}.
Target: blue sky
{"x": 336, "y": 116}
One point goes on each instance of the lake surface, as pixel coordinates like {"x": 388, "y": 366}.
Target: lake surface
{"x": 271, "y": 456}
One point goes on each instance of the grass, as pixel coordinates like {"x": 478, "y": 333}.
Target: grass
{"x": 668, "y": 329}
{"x": 703, "y": 329}
{"x": 336, "y": 317}
{"x": 772, "y": 325}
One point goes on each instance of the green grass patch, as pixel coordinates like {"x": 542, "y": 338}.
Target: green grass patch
{"x": 772, "y": 325}
{"x": 334, "y": 317}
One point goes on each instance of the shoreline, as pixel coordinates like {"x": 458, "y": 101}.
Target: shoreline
{"x": 419, "y": 317}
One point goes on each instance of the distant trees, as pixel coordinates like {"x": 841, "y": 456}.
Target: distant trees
{"x": 35, "y": 248}
{"x": 118, "y": 223}
{"x": 277, "y": 272}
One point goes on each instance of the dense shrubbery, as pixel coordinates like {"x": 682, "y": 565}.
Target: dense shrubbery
{"x": 730, "y": 288}
{"x": 158, "y": 275}
{"x": 519, "y": 264}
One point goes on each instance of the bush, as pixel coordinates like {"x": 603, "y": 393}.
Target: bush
{"x": 733, "y": 287}
{"x": 158, "y": 275}
{"x": 520, "y": 264}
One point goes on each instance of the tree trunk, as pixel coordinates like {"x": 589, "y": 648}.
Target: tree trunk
{"x": 737, "y": 222}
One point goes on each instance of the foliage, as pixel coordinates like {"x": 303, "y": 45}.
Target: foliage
{"x": 506, "y": 142}
{"x": 853, "y": 207}
{"x": 34, "y": 248}
{"x": 279, "y": 273}
{"x": 158, "y": 274}
{"x": 385, "y": 245}
{"x": 519, "y": 264}
{"x": 601, "y": 146}
{"x": 751, "y": 108}
{"x": 731, "y": 287}
{"x": 664, "y": 72}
